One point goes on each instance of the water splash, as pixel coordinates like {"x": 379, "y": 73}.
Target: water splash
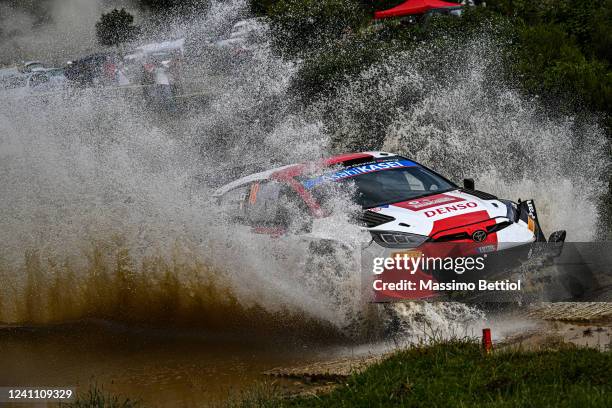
{"x": 106, "y": 210}
{"x": 464, "y": 121}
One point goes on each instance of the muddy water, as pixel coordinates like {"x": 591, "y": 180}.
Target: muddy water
{"x": 180, "y": 366}
{"x": 158, "y": 367}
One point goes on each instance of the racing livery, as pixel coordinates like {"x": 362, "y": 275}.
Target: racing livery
{"x": 405, "y": 204}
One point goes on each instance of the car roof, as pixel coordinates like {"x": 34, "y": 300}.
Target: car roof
{"x": 264, "y": 175}
{"x": 294, "y": 170}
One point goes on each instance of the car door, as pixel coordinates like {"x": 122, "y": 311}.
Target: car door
{"x": 263, "y": 209}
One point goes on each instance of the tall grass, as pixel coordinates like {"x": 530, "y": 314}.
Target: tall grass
{"x": 96, "y": 397}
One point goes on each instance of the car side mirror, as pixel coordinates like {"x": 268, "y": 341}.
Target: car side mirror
{"x": 469, "y": 184}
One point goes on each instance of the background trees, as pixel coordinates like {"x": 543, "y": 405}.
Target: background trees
{"x": 116, "y": 27}
{"x": 560, "y": 49}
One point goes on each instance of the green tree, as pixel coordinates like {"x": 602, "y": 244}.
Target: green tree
{"x": 261, "y": 7}
{"x": 116, "y": 27}
{"x": 302, "y": 25}
{"x": 161, "y": 4}
{"x": 181, "y": 6}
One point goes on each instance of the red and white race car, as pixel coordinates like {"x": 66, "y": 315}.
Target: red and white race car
{"x": 405, "y": 203}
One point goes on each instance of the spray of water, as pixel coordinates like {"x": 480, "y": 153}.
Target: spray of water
{"x": 52, "y": 30}
{"x": 106, "y": 209}
{"x": 464, "y": 121}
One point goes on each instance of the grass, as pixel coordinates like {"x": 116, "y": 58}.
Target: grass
{"x": 95, "y": 397}
{"x": 457, "y": 374}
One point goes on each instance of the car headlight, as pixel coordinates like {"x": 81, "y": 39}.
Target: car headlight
{"x": 511, "y": 212}
{"x": 394, "y": 239}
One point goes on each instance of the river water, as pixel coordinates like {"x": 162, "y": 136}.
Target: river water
{"x": 157, "y": 367}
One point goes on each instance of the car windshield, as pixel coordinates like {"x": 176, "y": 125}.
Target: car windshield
{"x": 385, "y": 183}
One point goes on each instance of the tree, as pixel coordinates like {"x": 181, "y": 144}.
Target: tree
{"x": 116, "y": 27}
{"x": 300, "y": 26}
{"x": 162, "y": 6}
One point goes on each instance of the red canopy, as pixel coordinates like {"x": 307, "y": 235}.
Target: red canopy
{"x": 414, "y": 7}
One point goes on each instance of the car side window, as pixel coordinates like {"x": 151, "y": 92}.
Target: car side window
{"x": 267, "y": 204}
{"x": 233, "y": 203}
{"x": 274, "y": 204}
{"x": 263, "y": 203}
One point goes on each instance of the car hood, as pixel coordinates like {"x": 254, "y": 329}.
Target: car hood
{"x": 432, "y": 214}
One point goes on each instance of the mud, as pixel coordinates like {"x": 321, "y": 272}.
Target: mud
{"x": 337, "y": 369}
{"x": 573, "y": 311}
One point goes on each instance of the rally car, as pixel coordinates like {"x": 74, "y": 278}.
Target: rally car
{"x": 405, "y": 204}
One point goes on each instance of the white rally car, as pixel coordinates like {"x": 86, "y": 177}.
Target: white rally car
{"x": 405, "y": 204}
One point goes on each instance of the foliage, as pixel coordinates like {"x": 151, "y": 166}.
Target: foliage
{"x": 340, "y": 60}
{"x": 564, "y": 48}
{"x": 162, "y": 6}
{"x": 459, "y": 374}
{"x": 561, "y": 48}
{"x": 322, "y": 72}
{"x": 96, "y": 398}
{"x": 261, "y": 7}
{"x": 551, "y": 62}
{"x": 378, "y": 5}
{"x": 264, "y": 7}
{"x": 116, "y": 27}
{"x": 299, "y": 26}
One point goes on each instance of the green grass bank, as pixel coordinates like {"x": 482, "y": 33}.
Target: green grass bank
{"x": 458, "y": 374}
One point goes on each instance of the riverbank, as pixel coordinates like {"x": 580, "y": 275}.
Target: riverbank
{"x": 459, "y": 373}
{"x": 454, "y": 373}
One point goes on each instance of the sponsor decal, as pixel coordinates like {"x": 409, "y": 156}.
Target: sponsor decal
{"x": 428, "y": 202}
{"x": 530, "y": 208}
{"x": 357, "y": 171}
{"x": 486, "y": 249}
{"x": 530, "y": 224}
{"x": 253, "y": 193}
{"x": 377, "y": 209}
{"x": 407, "y": 254}
{"x": 450, "y": 208}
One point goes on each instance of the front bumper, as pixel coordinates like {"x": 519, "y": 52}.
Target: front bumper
{"x": 502, "y": 254}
